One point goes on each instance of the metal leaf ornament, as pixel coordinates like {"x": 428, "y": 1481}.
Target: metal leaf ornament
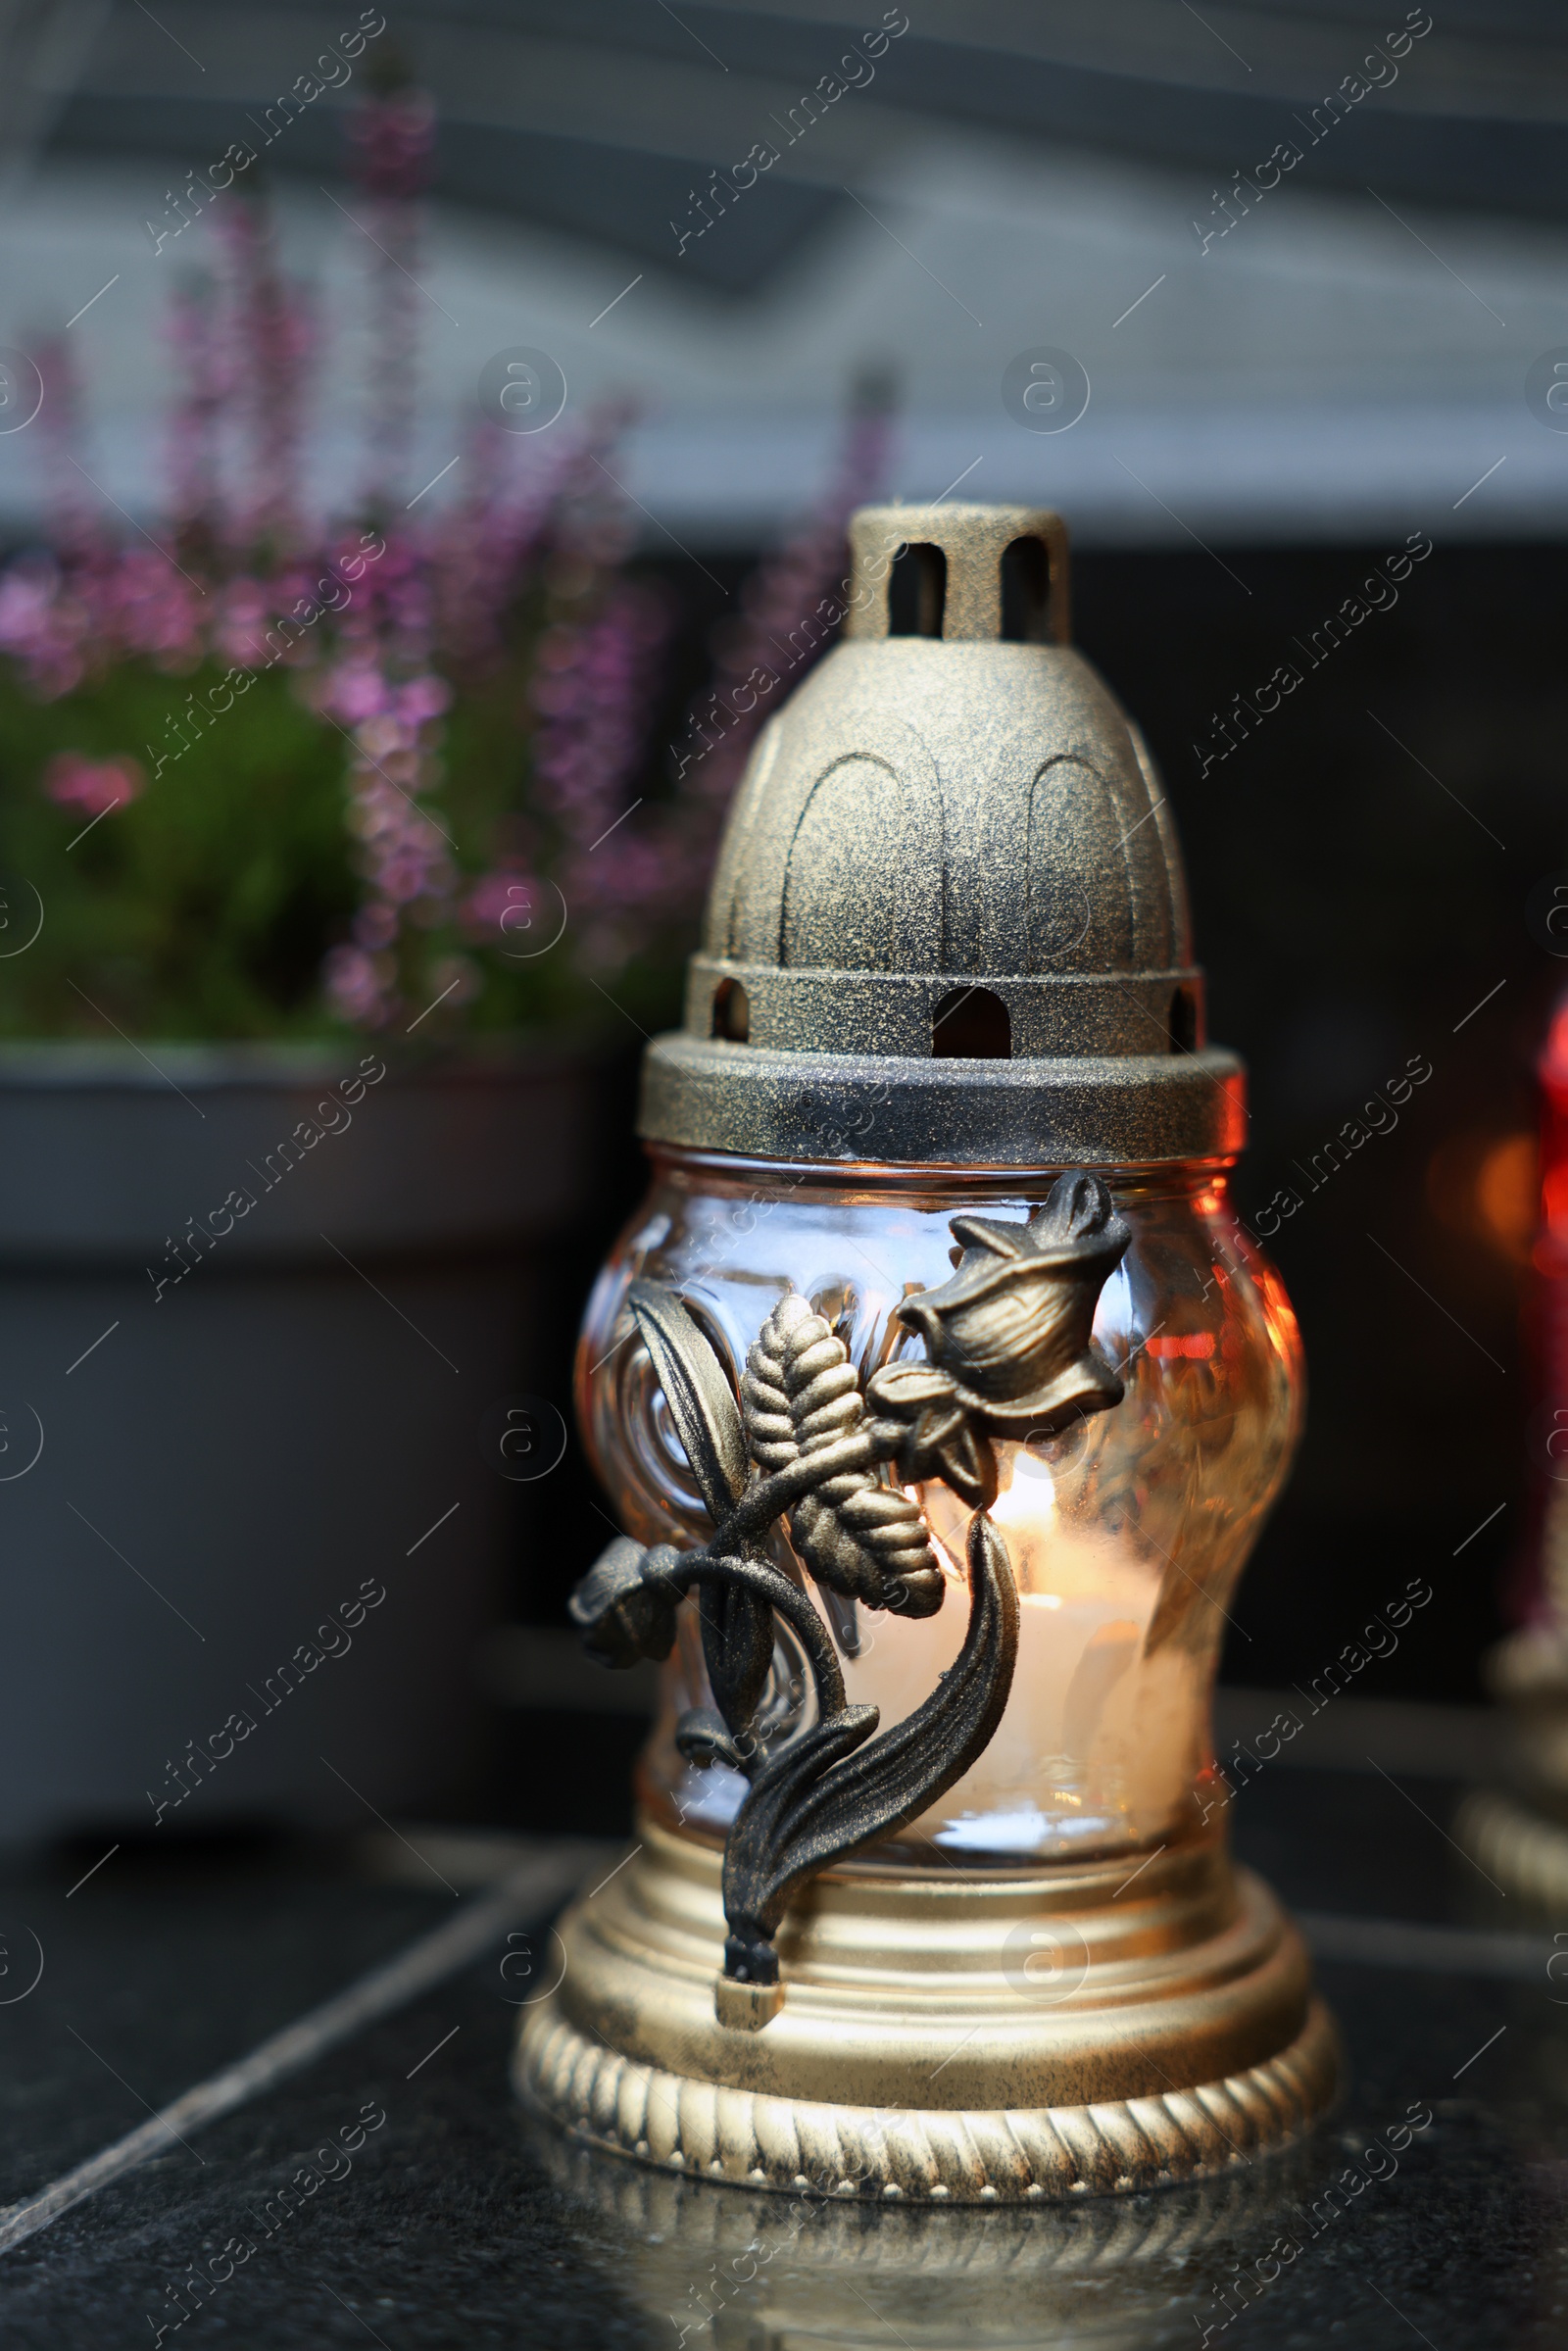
{"x": 1008, "y": 1352}
{"x": 855, "y": 1533}
{"x": 737, "y": 1624}
{"x": 818, "y": 1800}
{"x": 624, "y": 1606}
{"x": 697, "y": 1392}
{"x": 922, "y": 1425}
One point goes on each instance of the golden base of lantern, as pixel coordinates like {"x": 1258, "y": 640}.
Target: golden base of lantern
{"x": 963, "y": 2036}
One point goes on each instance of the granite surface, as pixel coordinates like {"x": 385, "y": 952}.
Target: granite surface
{"x": 458, "y": 2222}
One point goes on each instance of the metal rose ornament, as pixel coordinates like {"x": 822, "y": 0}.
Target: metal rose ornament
{"x": 941, "y": 1396}
{"x": 1008, "y": 1337}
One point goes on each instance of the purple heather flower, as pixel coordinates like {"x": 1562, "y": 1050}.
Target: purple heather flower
{"x": 592, "y": 691}
{"x": 499, "y": 905}
{"x": 393, "y": 138}
{"x": 259, "y": 374}
{"x": 195, "y": 422}
{"x": 244, "y": 612}
{"x": 92, "y": 787}
{"x": 43, "y": 626}
{"x": 354, "y": 691}
{"x": 358, "y": 986}
{"x": 422, "y": 699}
{"x": 533, "y": 529}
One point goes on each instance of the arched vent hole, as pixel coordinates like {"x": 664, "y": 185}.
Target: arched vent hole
{"x": 970, "y": 1024}
{"x": 732, "y": 1012}
{"x": 1184, "y": 1021}
{"x": 917, "y": 592}
{"x": 1026, "y": 593}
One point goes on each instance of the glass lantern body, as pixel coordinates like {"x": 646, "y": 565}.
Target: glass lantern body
{"x": 1126, "y": 1533}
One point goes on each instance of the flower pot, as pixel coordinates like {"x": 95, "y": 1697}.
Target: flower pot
{"x": 263, "y": 1313}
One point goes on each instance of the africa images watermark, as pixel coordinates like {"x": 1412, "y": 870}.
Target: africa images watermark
{"x": 332, "y": 1117}
{"x": 333, "y": 1637}
{"x": 1380, "y": 1117}
{"x": 1267, "y": 2268}
{"x": 803, "y": 641}
{"x": 240, "y": 155}
{"x": 858, "y": 73}
{"x": 1325, "y": 116}
{"x": 1380, "y": 1636}
{"x": 1244, "y": 716}
{"x": 284, "y": 635}
{"x": 330, "y": 2161}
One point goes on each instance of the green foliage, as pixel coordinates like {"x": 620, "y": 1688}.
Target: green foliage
{"x": 201, "y": 908}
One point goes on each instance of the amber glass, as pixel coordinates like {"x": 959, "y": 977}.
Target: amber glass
{"x": 1127, "y": 1535}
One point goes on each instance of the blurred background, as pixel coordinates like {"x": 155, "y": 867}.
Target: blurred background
{"x": 1292, "y": 278}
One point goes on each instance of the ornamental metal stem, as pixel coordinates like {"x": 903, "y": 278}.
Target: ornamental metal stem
{"x": 1008, "y": 1352}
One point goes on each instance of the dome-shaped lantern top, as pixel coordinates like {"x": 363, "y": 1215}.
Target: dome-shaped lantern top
{"x": 949, "y": 920}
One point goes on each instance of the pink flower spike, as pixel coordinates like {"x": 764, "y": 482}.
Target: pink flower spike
{"x": 509, "y": 893}
{"x": 422, "y": 699}
{"x": 356, "y": 692}
{"x": 357, "y": 987}
{"x": 92, "y": 787}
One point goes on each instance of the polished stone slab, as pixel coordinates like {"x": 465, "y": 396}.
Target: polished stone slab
{"x": 457, "y": 2221}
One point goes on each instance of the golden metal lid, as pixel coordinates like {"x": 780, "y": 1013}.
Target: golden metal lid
{"x": 949, "y": 920}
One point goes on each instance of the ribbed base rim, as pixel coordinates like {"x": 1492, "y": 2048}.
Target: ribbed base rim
{"x": 1029, "y": 2155}
{"x": 1524, "y": 1851}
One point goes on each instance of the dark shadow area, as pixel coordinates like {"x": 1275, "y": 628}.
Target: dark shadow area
{"x": 972, "y": 1024}
{"x": 1360, "y": 865}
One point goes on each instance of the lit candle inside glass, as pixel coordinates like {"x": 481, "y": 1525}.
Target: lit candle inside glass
{"x": 1126, "y": 1533}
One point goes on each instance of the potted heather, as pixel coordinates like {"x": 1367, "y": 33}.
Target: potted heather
{"x": 331, "y": 846}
